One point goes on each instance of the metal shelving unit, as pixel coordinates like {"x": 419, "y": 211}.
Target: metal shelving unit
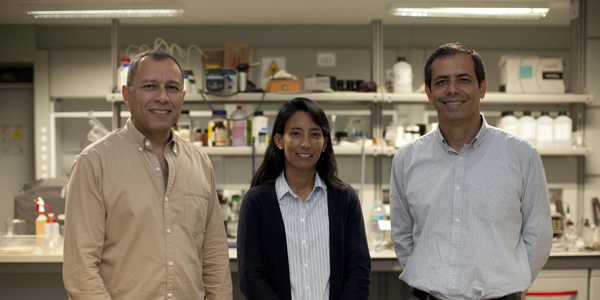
{"x": 576, "y": 102}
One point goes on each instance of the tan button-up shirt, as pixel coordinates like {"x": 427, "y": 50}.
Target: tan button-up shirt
{"x": 127, "y": 237}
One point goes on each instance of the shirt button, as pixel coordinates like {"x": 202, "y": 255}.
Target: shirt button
{"x": 168, "y": 230}
{"x": 452, "y": 281}
{"x": 301, "y": 220}
{"x": 457, "y": 187}
{"x": 457, "y": 220}
{"x": 157, "y": 169}
{"x": 166, "y": 199}
{"x": 306, "y": 265}
{"x": 170, "y": 263}
{"x": 147, "y": 143}
{"x": 140, "y": 148}
{"x": 307, "y": 288}
{"x": 170, "y": 295}
{"x": 453, "y": 250}
{"x": 303, "y": 242}
{"x": 175, "y": 151}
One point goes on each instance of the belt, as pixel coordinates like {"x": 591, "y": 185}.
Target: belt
{"x": 422, "y": 295}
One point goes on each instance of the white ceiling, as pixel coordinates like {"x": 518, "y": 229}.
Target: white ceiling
{"x": 268, "y": 12}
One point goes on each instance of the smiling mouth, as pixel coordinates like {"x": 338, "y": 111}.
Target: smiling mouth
{"x": 453, "y": 103}
{"x": 304, "y": 155}
{"x": 160, "y": 111}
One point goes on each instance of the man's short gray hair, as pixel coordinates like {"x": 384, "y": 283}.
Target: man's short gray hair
{"x": 156, "y": 55}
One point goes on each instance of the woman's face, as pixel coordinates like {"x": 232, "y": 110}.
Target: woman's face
{"x": 302, "y": 143}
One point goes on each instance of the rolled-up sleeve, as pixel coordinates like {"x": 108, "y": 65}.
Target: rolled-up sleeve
{"x": 216, "y": 274}
{"x": 84, "y": 231}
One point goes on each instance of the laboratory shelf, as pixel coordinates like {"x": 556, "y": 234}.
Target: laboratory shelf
{"x": 270, "y": 97}
{"x": 500, "y": 98}
{"x": 377, "y": 150}
{"x": 583, "y": 151}
{"x": 338, "y": 150}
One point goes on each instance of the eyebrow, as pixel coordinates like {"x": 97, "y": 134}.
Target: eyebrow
{"x": 314, "y": 128}
{"x": 145, "y": 81}
{"x": 457, "y": 75}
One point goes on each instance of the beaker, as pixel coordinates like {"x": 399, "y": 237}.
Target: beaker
{"x": 14, "y": 227}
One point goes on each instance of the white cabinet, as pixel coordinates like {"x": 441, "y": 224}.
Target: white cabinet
{"x": 560, "y": 281}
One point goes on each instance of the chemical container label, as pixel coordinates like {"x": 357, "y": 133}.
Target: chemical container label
{"x": 526, "y": 71}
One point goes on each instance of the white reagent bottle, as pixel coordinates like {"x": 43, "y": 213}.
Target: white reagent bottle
{"x": 563, "y": 129}
{"x": 402, "y": 76}
{"x": 510, "y": 123}
{"x": 545, "y": 130}
{"x": 527, "y": 127}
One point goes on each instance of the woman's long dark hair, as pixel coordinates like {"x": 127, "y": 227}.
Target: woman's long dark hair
{"x": 274, "y": 161}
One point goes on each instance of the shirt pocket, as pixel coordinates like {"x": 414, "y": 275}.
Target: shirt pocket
{"x": 196, "y": 206}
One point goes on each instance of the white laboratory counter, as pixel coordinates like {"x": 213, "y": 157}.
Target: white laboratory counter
{"x": 21, "y": 274}
{"x": 384, "y": 254}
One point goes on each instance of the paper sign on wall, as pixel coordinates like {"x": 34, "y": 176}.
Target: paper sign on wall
{"x": 326, "y": 60}
{"x": 268, "y": 67}
{"x": 11, "y": 139}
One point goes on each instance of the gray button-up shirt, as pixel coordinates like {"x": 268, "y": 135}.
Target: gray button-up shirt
{"x": 473, "y": 224}
{"x": 307, "y": 236}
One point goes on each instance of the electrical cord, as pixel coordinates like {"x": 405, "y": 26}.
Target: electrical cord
{"x": 203, "y": 93}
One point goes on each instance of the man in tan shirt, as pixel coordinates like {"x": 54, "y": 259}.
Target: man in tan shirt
{"x": 142, "y": 214}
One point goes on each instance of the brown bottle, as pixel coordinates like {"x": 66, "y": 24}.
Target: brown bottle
{"x": 205, "y": 137}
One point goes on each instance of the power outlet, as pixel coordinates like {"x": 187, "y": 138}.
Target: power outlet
{"x": 326, "y": 60}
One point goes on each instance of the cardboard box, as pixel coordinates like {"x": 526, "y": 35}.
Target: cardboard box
{"x": 531, "y": 74}
{"x": 215, "y": 58}
{"x": 285, "y": 85}
{"x": 235, "y": 54}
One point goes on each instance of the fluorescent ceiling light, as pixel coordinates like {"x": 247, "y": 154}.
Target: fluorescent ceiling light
{"x": 105, "y": 13}
{"x": 472, "y": 9}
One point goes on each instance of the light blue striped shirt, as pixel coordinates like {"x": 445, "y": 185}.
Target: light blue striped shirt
{"x": 307, "y": 236}
{"x": 473, "y": 224}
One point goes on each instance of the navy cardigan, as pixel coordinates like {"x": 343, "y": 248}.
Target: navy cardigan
{"x": 264, "y": 272}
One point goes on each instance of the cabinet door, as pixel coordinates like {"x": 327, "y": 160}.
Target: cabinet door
{"x": 560, "y": 281}
{"x": 595, "y": 284}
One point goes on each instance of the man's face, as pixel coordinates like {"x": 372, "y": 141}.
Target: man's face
{"x": 156, "y": 96}
{"x": 455, "y": 92}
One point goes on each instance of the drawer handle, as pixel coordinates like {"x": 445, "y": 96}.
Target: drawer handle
{"x": 573, "y": 292}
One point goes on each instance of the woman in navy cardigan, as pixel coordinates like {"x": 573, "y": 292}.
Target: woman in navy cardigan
{"x": 298, "y": 181}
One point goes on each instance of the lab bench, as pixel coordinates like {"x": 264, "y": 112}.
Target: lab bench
{"x": 26, "y": 276}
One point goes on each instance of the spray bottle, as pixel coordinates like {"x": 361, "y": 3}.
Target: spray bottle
{"x": 39, "y": 224}
{"x": 51, "y": 234}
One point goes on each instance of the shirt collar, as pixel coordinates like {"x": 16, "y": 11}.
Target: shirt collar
{"x": 475, "y": 142}
{"x": 143, "y": 143}
{"x": 283, "y": 188}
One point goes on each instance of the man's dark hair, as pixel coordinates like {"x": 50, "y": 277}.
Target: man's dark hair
{"x": 156, "y": 55}
{"x": 452, "y": 49}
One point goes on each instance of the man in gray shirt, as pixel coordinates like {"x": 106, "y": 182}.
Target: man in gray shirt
{"x": 469, "y": 202}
